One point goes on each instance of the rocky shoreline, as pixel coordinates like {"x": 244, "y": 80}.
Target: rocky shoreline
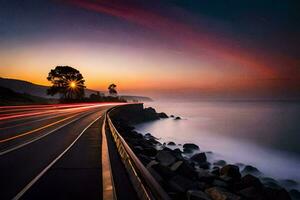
{"x": 186, "y": 173}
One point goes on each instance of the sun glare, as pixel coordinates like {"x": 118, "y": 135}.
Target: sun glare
{"x": 72, "y": 84}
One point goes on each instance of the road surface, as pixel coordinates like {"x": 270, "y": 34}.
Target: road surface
{"x": 51, "y": 151}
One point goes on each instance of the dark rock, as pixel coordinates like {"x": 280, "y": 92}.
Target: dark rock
{"x": 190, "y": 147}
{"x": 248, "y": 169}
{"x": 163, "y": 171}
{"x": 150, "y": 110}
{"x": 220, "y": 163}
{"x": 288, "y": 183}
{"x": 144, "y": 159}
{"x": 162, "y": 115}
{"x": 197, "y": 195}
{"x": 231, "y": 171}
{"x": 216, "y": 171}
{"x": 165, "y": 157}
{"x": 148, "y": 135}
{"x": 148, "y": 114}
{"x": 172, "y": 116}
{"x": 249, "y": 181}
{"x": 153, "y": 141}
{"x": 150, "y": 151}
{"x": 217, "y": 193}
{"x": 177, "y": 118}
{"x": 199, "y": 158}
{"x": 204, "y": 165}
{"x": 182, "y": 184}
{"x": 137, "y": 149}
{"x": 135, "y": 135}
{"x": 186, "y": 169}
{"x": 276, "y": 193}
{"x": 171, "y": 143}
{"x": 270, "y": 182}
{"x": 177, "y": 153}
{"x": 176, "y": 165}
{"x": 240, "y": 164}
{"x": 220, "y": 183}
{"x": 153, "y": 172}
{"x": 167, "y": 149}
{"x": 295, "y": 194}
{"x": 206, "y": 176}
{"x": 252, "y": 193}
{"x": 227, "y": 179}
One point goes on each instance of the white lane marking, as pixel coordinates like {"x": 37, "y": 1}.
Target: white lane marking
{"x": 42, "y": 136}
{"x": 33, "y": 181}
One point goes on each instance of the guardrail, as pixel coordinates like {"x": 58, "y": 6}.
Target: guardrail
{"x": 145, "y": 185}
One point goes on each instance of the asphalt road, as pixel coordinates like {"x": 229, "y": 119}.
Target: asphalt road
{"x": 51, "y": 151}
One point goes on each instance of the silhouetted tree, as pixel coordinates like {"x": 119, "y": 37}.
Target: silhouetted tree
{"x": 112, "y": 90}
{"x": 66, "y": 81}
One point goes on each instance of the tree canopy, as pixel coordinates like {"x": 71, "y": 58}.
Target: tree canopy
{"x": 112, "y": 89}
{"x": 66, "y": 81}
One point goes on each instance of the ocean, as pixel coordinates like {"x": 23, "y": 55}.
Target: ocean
{"x": 265, "y": 135}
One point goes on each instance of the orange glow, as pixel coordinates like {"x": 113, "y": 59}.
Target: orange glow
{"x": 72, "y": 84}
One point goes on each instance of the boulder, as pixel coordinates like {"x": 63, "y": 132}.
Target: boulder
{"x": 165, "y": 157}
{"x": 163, "y": 171}
{"x": 176, "y": 165}
{"x": 251, "y": 193}
{"x": 150, "y": 151}
{"x": 216, "y": 171}
{"x": 182, "y": 184}
{"x": 220, "y": 163}
{"x": 177, "y": 118}
{"x": 162, "y": 115}
{"x": 148, "y": 135}
{"x": 149, "y": 114}
{"x": 205, "y": 176}
{"x": 171, "y": 143}
{"x": 295, "y": 194}
{"x": 199, "y": 158}
{"x": 153, "y": 141}
{"x": 204, "y": 165}
{"x": 276, "y": 193}
{"x": 220, "y": 183}
{"x": 137, "y": 149}
{"x": 249, "y": 181}
{"x": 177, "y": 153}
{"x": 270, "y": 182}
{"x": 289, "y": 183}
{"x": 172, "y": 116}
{"x": 186, "y": 169}
{"x": 231, "y": 171}
{"x": 217, "y": 193}
{"x": 153, "y": 172}
{"x": 150, "y": 164}
{"x": 248, "y": 169}
{"x": 144, "y": 159}
{"x": 197, "y": 195}
{"x": 190, "y": 147}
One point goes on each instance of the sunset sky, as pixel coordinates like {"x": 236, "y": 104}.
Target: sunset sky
{"x": 152, "y": 47}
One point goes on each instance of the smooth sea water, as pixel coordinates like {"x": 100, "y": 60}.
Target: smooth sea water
{"x": 263, "y": 134}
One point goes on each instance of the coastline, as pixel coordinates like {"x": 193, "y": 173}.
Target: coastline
{"x": 184, "y": 171}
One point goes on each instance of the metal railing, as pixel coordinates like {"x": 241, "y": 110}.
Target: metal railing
{"x": 145, "y": 185}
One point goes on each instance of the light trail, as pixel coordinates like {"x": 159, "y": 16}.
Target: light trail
{"x": 35, "y": 130}
{"x": 56, "y": 109}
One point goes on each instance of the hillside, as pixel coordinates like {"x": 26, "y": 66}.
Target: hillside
{"x": 21, "y": 86}
{"x": 25, "y": 87}
{"x": 9, "y": 97}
